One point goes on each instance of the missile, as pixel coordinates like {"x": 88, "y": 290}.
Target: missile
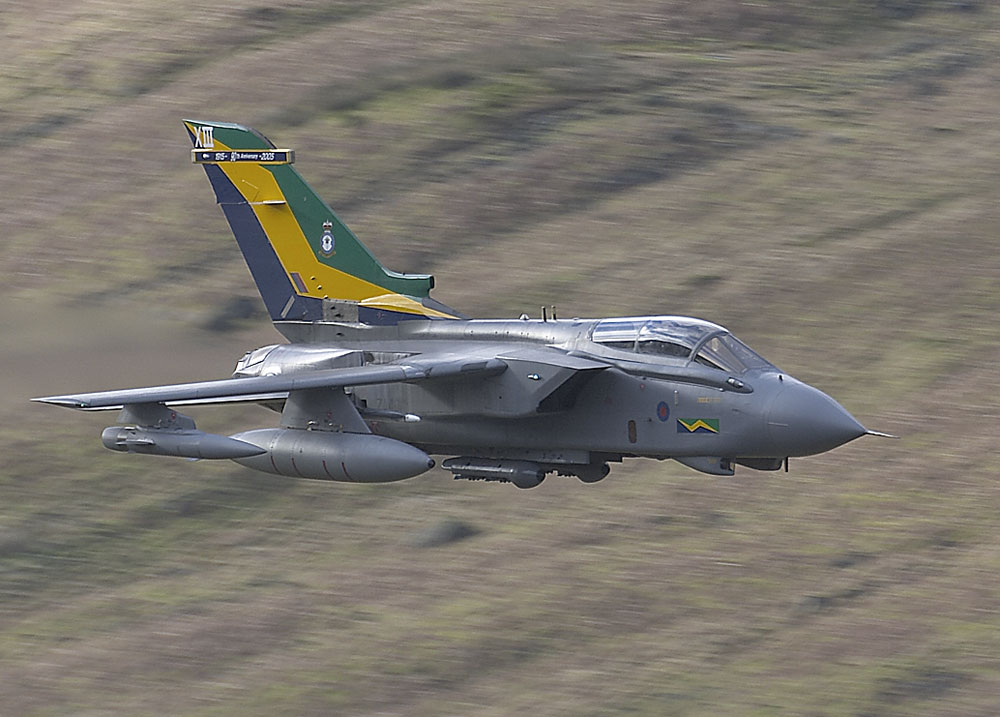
{"x": 186, "y": 443}
{"x": 325, "y": 455}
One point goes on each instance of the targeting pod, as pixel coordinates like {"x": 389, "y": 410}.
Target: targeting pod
{"x": 523, "y": 474}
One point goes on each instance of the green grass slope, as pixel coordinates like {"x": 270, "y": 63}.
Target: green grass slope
{"x": 822, "y": 180}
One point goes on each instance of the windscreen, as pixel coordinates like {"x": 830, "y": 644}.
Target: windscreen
{"x": 727, "y": 353}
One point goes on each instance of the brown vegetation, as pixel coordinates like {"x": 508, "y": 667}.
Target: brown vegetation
{"x": 819, "y": 177}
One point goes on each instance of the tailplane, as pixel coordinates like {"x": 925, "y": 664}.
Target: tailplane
{"x": 307, "y": 264}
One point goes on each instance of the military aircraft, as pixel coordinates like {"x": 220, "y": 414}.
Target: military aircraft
{"x": 377, "y": 376}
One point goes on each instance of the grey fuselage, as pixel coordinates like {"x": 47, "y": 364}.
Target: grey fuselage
{"x": 566, "y": 399}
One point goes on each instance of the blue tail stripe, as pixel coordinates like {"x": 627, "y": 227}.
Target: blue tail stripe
{"x": 280, "y": 298}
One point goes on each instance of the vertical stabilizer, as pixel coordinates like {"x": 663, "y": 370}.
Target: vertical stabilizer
{"x": 302, "y": 257}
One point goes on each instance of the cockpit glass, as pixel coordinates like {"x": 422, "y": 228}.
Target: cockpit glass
{"x": 618, "y": 333}
{"x": 679, "y": 338}
{"x": 676, "y": 337}
{"x": 729, "y": 354}
{"x": 667, "y": 336}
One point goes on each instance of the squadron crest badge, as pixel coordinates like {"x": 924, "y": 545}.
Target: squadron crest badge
{"x": 328, "y": 242}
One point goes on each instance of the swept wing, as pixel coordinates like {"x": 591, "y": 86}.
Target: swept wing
{"x": 256, "y": 388}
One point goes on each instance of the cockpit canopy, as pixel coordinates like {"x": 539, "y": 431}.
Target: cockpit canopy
{"x": 679, "y": 339}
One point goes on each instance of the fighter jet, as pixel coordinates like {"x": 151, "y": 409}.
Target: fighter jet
{"x": 376, "y": 376}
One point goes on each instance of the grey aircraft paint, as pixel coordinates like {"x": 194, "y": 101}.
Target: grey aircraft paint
{"x": 370, "y": 389}
{"x": 504, "y": 400}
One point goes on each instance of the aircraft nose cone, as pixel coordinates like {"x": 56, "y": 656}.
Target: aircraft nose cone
{"x": 804, "y": 421}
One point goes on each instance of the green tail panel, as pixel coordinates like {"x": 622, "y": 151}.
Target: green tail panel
{"x": 347, "y": 253}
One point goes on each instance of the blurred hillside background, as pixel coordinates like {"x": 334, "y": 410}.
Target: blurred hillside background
{"x": 822, "y": 178}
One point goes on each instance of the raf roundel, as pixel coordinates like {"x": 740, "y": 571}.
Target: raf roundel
{"x": 663, "y": 411}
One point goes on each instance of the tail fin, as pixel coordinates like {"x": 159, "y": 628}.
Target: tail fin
{"x": 307, "y": 264}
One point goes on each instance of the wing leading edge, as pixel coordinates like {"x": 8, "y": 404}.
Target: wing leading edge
{"x": 263, "y": 387}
